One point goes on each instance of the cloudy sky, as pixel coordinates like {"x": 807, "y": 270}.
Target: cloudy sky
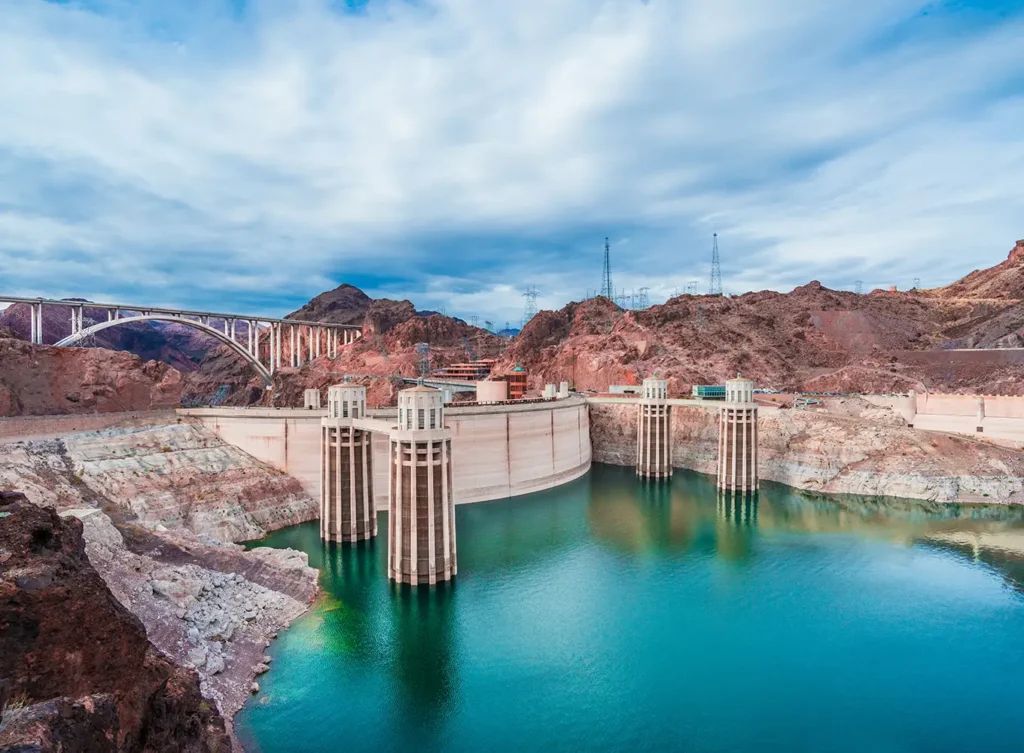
{"x": 246, "y": 155}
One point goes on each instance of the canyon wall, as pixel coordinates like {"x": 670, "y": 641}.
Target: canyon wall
{"x": 177, "y": 476}
{"x": 44, "y": 380}
{"x": 158, "y": 505}
{"x": 833, "y": 454}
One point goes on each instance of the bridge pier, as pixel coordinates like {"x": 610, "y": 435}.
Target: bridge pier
{"x": 34, "y": 315}
{"x": 653, "y": 431}
{"x": 737, "y": 438}
{"x": 347, "y": 511}
{"x": 421, "y": 510}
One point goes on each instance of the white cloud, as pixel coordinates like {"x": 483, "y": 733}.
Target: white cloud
{"x": 457, "y": 151}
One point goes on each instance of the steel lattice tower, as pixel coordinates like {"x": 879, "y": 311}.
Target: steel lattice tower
{"x": 606, "y": 278}
{"x": 716, "y": 270}
{"x": 531, "y": 304}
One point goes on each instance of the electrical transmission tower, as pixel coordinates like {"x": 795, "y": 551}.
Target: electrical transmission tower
{"x": 917, "y": 283}
{"x": 489, "y": 325}
{"x": 691, "y": 287}
{"x": 716, "y": 270}
{"x": 530, "y": 310}
{"x": 643, "y": 300}
{"x": 858, "y": 286}
{"x": 606, "y": 278}
{"x": 423, "y": 350}
{"x": 474, "y": 320}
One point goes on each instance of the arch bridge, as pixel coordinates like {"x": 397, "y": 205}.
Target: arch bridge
{"x": 267, "y": 344}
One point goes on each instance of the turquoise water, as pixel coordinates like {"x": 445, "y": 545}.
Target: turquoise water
{"x": 611, "y": 615}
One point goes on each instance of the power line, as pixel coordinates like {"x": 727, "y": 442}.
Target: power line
{"x": 716, "y": 270}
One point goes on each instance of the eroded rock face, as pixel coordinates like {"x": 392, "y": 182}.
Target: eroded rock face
{"x": 211, "y": 606}
{"x": 868, "y": 453}
{"x": 43, "y": 380}
{"x": 92, "y": 679}
{"x": 184, "y": 476}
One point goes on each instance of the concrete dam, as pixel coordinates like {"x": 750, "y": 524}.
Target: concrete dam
{"x": 418, "y": 461}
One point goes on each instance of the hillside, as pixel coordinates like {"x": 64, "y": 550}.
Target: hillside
{"x": 391, "y": 331}
{"x": 812, "y": 338}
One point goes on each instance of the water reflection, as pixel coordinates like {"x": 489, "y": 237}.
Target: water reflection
{"x": 424, "y": 649}
{"x": 643, "y": 518}
{"x": 736, "y": 522}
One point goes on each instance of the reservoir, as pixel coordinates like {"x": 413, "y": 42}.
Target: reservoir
{"x": 610, "y": 614}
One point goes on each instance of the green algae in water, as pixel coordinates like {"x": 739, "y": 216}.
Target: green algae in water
{"x": 611, "y": 614}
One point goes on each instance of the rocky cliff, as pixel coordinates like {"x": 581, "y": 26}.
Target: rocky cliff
{"x": 44, "y": 380}
{"x": 82, "y": 673}
{"x": 158, "y": 505}
{"x": 176, "y": 476}
{"x": 869, "y": 456}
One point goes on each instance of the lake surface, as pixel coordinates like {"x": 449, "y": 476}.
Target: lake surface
{"x": 611, "y": 614}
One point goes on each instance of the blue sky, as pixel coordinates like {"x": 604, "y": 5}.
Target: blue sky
{"x": 248, "y": 155}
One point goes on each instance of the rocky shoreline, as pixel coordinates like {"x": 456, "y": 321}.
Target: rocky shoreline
{"x": 154, "y": 504}
{"x": 869, "y": 453}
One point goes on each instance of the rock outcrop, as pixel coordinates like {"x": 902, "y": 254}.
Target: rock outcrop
{"x": 869, "y": 453}
{"x": 40, "y": 380}
{"x": 84, "y": 674}
{"x": 212, "y": 607}
{"x": 179, "y": 476}
{"x": 185, "y": 476}
{"x": 346, "y": 304}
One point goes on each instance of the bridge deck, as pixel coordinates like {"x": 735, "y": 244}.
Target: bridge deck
{"x": 173, "y": 312}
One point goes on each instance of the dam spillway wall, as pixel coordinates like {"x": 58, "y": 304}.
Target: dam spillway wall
{"x": 498, "y": 451}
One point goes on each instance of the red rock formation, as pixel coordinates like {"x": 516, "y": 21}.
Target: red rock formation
{"x": 1004, "y": 281}
{"x": 391, "y": 332}
{"x": 44, "y": 380}
{"x": 346, "y": 304}
{"x": 83, "y": 661}
{"x": 812, "y": 338}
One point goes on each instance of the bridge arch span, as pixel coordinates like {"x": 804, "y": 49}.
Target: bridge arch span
{"x": 260, "y": 369}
